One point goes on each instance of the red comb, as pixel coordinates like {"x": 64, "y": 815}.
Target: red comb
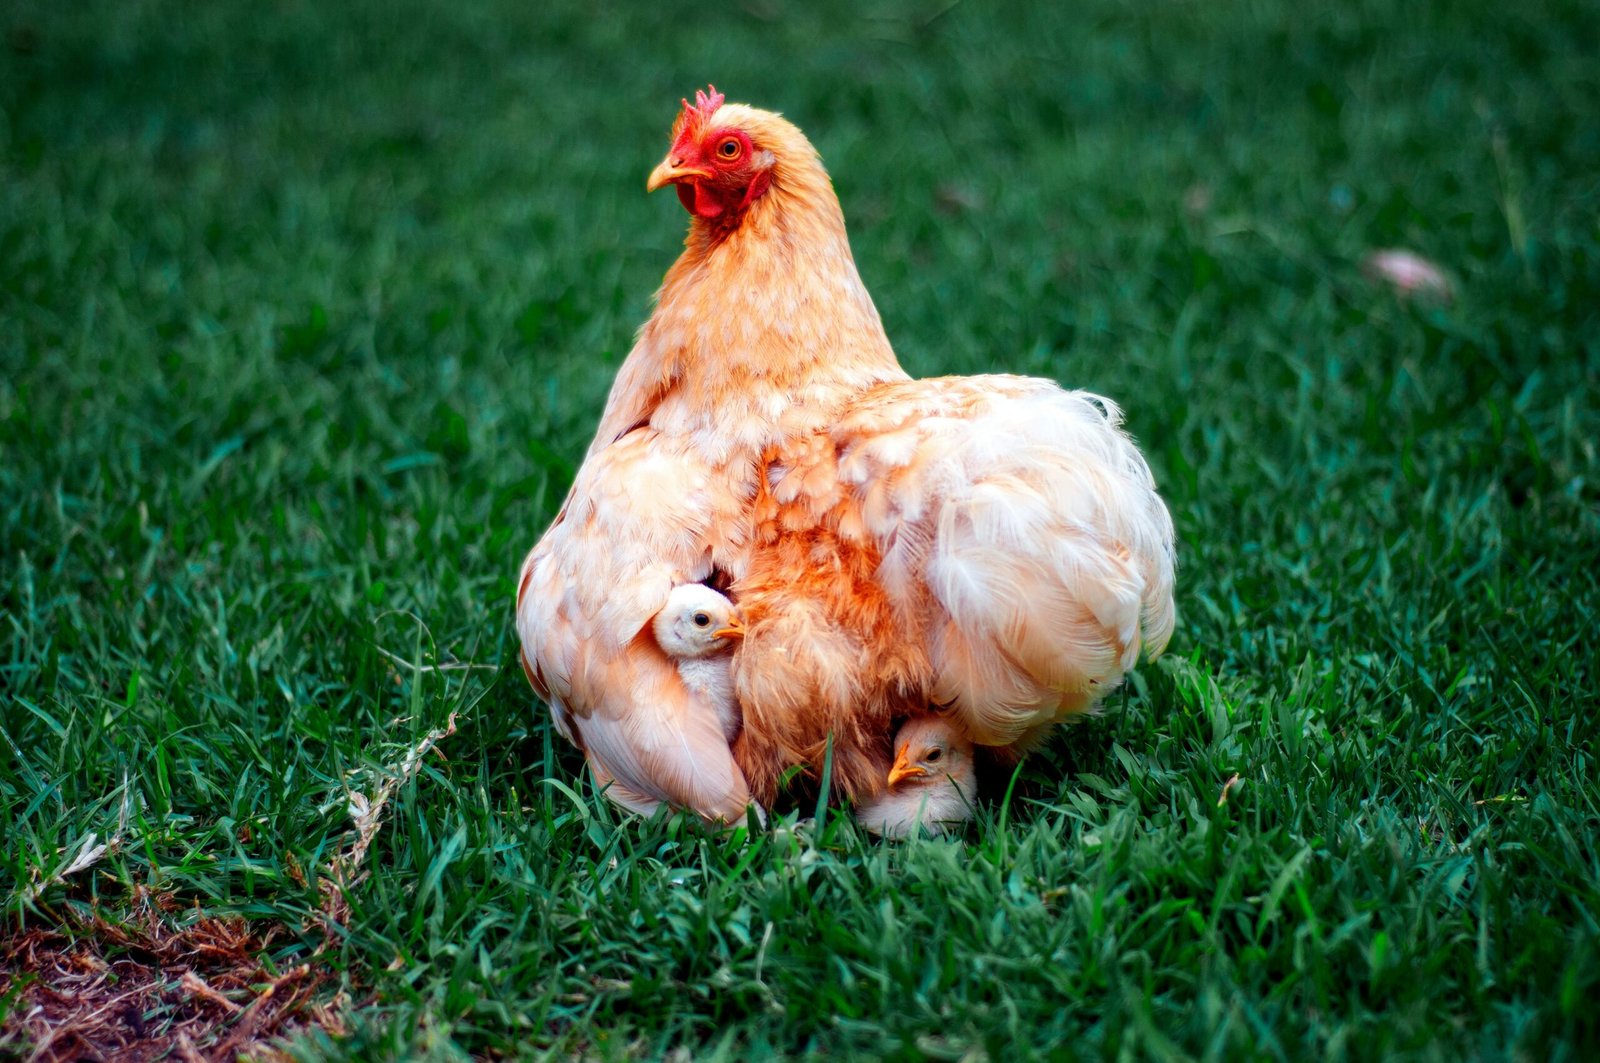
{"x": 696, "y": 114}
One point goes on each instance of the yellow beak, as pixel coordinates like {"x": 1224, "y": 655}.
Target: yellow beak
{"x": 734, "y": 630}
{"x": 903, "y": 768}
{"x": 671, "y": 171}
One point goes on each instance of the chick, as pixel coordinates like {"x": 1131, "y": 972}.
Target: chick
{"x": 697, "y": 628}
{"x": 932, "y": 784}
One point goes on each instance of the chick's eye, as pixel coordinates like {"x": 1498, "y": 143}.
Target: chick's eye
{"x": 729, "y": 149}
{"x": 701, "y": 620}
{"x": 933, "y": 755}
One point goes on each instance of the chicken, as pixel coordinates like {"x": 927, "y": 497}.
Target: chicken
{"x": 696, "y": 628}
{"x": 932, "y": 784}
{"x": 990, "y": 546}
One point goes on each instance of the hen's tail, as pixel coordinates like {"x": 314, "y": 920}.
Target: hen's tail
{"x": 1026, "y": 524}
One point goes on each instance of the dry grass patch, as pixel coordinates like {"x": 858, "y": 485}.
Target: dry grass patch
{"x": 158, "y": 985}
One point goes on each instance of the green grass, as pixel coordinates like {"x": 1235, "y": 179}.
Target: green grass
{"x": 306, "y": 315}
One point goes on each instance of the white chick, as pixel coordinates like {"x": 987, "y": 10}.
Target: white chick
{"x": 697, "y": 628}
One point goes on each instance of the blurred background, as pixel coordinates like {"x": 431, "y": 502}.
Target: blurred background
{"x": 307, "y": 312}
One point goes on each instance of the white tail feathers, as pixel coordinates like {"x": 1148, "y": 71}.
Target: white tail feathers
{"x": 1035, "y": 527}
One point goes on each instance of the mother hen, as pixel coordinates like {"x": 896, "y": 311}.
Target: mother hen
{"x": 990, "y": 547}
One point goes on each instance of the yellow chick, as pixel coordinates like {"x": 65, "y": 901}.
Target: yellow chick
{"x": 932, "y": 784}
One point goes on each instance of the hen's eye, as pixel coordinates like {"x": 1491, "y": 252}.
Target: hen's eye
{"x": 729, "y": 149}
{"x": 701, "y": 620}
{"x": 933, "y": 755}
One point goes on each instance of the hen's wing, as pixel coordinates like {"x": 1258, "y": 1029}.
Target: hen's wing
{"x": 1024, "y": 524}
{"x": 642, "y": 516}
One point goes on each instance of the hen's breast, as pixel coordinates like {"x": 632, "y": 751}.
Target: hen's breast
{"x": 828, "y": 661}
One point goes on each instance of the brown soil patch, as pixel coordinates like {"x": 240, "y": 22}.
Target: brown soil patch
{"x": 155, "y": 986}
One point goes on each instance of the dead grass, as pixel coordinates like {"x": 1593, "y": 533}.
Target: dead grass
{"x": 155, "y": 986}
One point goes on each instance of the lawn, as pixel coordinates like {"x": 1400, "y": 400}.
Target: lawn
{"x": 307, "y": 312}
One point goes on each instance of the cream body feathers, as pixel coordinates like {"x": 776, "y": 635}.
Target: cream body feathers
{"x": 643, "y": 516}
{"x": 991, "y": 543}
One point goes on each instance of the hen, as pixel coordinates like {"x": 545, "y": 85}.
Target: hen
{"x": 992, "y": 546}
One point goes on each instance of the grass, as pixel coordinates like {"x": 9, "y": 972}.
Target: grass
{"x": 306, "y": 315}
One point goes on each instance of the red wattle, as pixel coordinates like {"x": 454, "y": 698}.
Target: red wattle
{"x": 705, "y": 203}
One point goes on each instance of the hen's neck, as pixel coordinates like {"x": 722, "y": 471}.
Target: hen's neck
{"x": 761, "y": 331}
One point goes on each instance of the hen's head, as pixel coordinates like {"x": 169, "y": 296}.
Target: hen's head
{"x": 724, "y": 156}
{"x": 696, "y": 622}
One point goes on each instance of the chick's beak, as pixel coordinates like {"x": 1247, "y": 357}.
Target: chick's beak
{"x": 671, "y": 171}
{"x": 734, "y": 630}
{"x": 903, "y": 768}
